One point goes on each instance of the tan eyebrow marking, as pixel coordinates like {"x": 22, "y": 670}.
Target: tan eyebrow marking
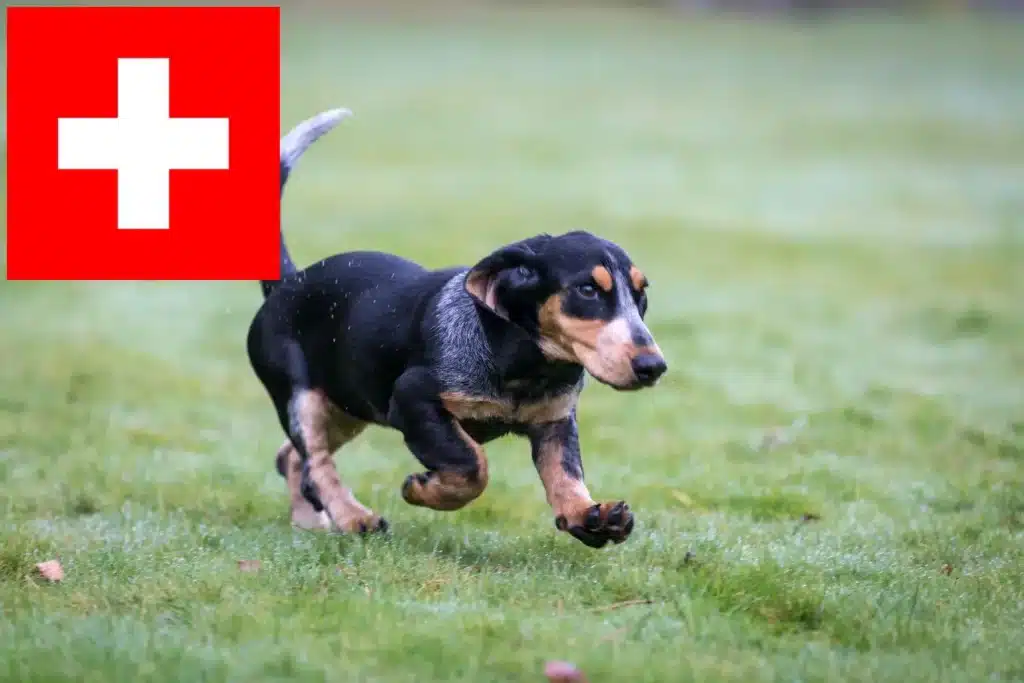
{"x": 638, "y": 279}
{"x": 602, "y": 277}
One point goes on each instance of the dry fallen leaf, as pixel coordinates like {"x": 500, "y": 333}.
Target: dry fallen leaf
{"x": 51, "y": 570}
{"x": 563, "y": 672}
{"x": 684, "y": 499}
{"x": 433, "y": 585}
{"x": 248, "y": 565}
{"x": 947, "y": 569}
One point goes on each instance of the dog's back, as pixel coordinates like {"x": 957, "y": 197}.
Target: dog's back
{"x": 360, "y": 316}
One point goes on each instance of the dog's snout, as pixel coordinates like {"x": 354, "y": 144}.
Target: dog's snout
{"x": 648, "y": 367}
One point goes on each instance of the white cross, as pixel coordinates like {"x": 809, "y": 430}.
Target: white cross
{"x": 143, "y": 144}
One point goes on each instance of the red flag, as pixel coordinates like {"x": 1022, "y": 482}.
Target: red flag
{"x": 142, "y": 143}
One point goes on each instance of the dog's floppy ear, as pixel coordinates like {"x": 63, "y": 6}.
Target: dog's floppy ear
{"x": 496, "y": 281}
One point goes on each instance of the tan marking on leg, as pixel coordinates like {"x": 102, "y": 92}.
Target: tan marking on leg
{"x": 324, "y": 429}
{"x": 594, "y": 524}
{"x": 602, "y": 277}
{"x": 637, "y": 279}
{"x": 449, "y": 490}
{"x": 568, "y": 497}
{"x": 304, "y": 516}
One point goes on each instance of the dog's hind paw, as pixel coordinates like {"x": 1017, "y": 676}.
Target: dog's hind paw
{"x": 363, "y": 525}
{"x": 308, "y": 519}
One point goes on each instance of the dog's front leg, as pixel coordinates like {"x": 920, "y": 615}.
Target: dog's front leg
{"x": 556, "y": 453}
{"x": 456, "y": 464}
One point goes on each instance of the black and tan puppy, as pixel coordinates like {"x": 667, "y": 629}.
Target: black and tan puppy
{"x": 452, "y": 359}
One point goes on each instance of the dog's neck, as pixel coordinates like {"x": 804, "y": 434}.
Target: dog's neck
{"x": 522, "y": 369}
{"x": 478, "y": 351}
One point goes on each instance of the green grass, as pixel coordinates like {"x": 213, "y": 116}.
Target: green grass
{"x": 831, "y": 217}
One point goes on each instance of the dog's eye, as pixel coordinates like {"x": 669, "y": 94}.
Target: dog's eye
{"x": 523, "y": 272}
{"x": 587, "y": 291}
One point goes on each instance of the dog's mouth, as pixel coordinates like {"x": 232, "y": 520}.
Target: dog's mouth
{"x": 636, "y": 384}
{"x": 639, "y": 384}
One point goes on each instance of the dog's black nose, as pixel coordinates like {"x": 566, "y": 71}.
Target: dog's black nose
{"x": 649, "y": 367}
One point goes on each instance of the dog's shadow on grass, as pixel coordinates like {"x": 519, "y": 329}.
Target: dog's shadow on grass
{"x": 476, "y": 548}
{"x": 487, "y": 549}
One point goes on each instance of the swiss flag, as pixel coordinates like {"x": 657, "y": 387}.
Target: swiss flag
{"x": 142, "y": 143}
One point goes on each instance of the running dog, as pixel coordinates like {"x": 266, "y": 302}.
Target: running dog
{"x": 452, "y": 359}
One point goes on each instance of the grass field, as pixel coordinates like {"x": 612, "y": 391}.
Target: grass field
{"x": 829, "y": 483}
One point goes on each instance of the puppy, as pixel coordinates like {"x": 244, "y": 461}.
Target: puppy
{"x": 452, "y": 359}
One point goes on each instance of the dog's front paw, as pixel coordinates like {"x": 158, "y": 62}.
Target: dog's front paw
{"x": 412, "y": 487}
{"x": 598, "y": 524}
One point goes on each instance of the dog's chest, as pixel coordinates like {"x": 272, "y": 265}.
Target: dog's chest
{"x": 482, "y": 409}
{"x": 484, "y": 431}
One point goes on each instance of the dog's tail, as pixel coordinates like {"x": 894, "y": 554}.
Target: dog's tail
{"x": 293, "y": 144}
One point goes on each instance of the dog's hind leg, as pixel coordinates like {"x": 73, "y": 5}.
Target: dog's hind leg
{"x": 304, "y": 515}
{"x": 318, "y": 429}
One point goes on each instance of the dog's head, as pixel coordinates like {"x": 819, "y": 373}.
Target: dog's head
{"x": 582, "y": 300}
